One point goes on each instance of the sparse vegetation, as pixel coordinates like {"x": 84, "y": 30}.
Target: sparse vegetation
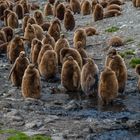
{"x": 129, "y": 40}
{"x": 134, "y": 61}
{"x": 126, "y": 53}
{"x": 16, "y": 135}
{"x": 112, "y": 29}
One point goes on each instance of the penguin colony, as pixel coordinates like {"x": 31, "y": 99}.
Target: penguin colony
{"x": 49, "y": 49}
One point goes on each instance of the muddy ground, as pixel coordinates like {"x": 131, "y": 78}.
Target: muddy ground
{"x": 73, "y": 117}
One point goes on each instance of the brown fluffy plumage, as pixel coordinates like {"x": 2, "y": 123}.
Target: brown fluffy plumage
{"x": 112, "y": 13}
{"x": 48, "y": 9}
{"x": 59, "y": 45}
{"x": 48, "y": 40}
{"x": 98, "y": 12}
{"x": 117, "y": 64}
{"x": 114, "y": 6}
{"x": 14, "y": 48}
{"x": 75, "y": 6}
{"x": 38, "y": 15}
{"x": 90, "y": 31}
{"x": 48, "y": 64}
{"x": 116, "y": 41}
{"x": 86, "y": 8}
{"x": 31, "y": 85}
{"x": 89, "y": 77}
{"x": 42, "y": 51}
{"x": 108, "y": 86}
{"x": 18, "y": 69}
{"x": 69, "y": 21}
{"x": 138, "y": 72}
{"x": 70, "y": 75}
{"x": 19, "y": 11}
{"x": 80, "y": 35}
{"x": 60, "y": 10}
{"x": 65, "y": 52}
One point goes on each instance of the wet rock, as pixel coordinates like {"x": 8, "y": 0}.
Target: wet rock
{"x": 51, "y": 118}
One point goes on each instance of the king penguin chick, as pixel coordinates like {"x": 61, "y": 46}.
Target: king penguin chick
{"x": 42, "y": 51}
{"x": 69, "y": 21}
{"x": 117, "y": 64}
{"x": 54, "y": 30}
{"x": 86, "y": 8}
{"x": 24, "y": 23}
{"x": 98, "y": 12}
{"x": 48, "y": 10}
{"x": 70, "y": 75}
{"x": 48, "y": 64}
{"x": 38, "y": 15}
{"x": 81, "y": 50}
{"x": 14, "y": 48}
{"x": 12, "y": 20}
{"x": 80, "y": 35}
{"x": 31, "y": 85}
{"x": 90, "y": 31}
{"x": 19, "y": 11}
{"x": 108, "y": 86}
{"x": 75, "y": 6}
{"x": 60, "y": 10}
{"x": 65, "y": 52}
{"x": 138, "y": 72}
{"x": 48, "y": 39}
{"x": 18, "y": 69}
{"x": 115, "y": 41}
{"x": 35, "y": 52}
{"x": 60, "y": 44}
{"x": 89, "y": 78}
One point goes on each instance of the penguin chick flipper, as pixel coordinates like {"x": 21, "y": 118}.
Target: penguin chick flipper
{"x": 11, "y": 71}
{"x": 75, "y": 79}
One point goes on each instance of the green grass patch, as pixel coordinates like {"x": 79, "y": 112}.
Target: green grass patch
{"x": 129, "y": 40}
{"x": 126, "y": 53}
{"x": 17, "y": 135}
{"x": 112, "y": 29}
{"x": 134, "y": 61}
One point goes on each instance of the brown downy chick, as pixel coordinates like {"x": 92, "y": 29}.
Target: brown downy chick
{"x": 98, "y": 12}
{"x": 69, "y": 21}
{"x": 108, "y": 86}
{"x": 86, "y": 8}
{"x": 48, "y": 9}
{"x": 117, "y": 64}
{"x": 55, "y": 6}
{"x": 48, "y": 39}
{"x": 114, "y": 6}
{"x": 29, "y": 33}
{"x": 35, "y": 52}
{"x": 14, "y": 48}
{"x": 109, "y": 56}
{"x": 90, "y": 31}
{"x": 112, "y": 13}
{"x": 38, "y": 15}
{"x": 65, "y": 52}
{"x": 81, "y": 50}
{"x": 45, "y": 26}
{"x": 24, "y": 24}
{"x": 60, "y": 10}
{"x": 52, "y": 1}
{"x": 60, "y": 44}
{"x": 31, "y": 84}
{"x": 3, "y": 36}
{"x": 93, "y": 4}
{"x": 70, "y": 75}
{"x": 6, "y": 12}
{"x": 38, "y": 31}
{"x": 25, "y": 5}
{"x": 75, "y": 6}
{"x": 31, "y": 20}
{"x": 48, "y": 64}
{"x": 42, "y": 51}
{"x": 89, "y": 78}
{"x": 118, "y": 2}
{"x": 9, "y": 32}
{"x": 18, "y": 69}
{"x": 116, "y": 41}
{"x": 19, "y": 11}
{"x": 54, "y": 30}
{"x": 12, "y": 20}
{"x": 137, "y": 69}
{"x": 80, "y": 35}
